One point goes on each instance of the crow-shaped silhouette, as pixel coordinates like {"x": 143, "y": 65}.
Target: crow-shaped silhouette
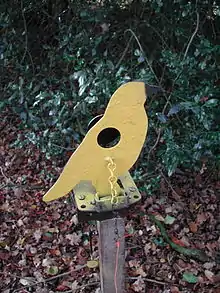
{"x": 126, "y": 121}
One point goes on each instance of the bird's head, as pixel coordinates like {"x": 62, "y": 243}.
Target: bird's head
{"x": 133, "y": 93}
{"x": 129, "y": 94}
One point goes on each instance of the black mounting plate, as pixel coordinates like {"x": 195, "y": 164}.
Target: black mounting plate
{"x": 100, "y": 216}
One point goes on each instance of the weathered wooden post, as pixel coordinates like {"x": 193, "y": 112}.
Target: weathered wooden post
{"x": 112, "y": 255}
{"x": 97, "y": 172}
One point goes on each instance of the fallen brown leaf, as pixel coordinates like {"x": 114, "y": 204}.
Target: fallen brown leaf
{"x": 174, "y": 289}
{"x": 201, "y": 218}
{"x": 193, "y": 227}
{"x": 209, "y": 275}
{"x": 216, "y": 278}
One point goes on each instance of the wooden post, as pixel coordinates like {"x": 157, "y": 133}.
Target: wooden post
{"x": 112, "y": 258}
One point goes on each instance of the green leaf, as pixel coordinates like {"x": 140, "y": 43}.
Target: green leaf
{"x": 2, "y": 104}
{"x": 130, "y": 230}
{"x": 82, "y": 89}
{"x": 23, "y": 115}
{"x": 190, "y": 278}
{"x": 48, "y": 234}
{"x": 45, "y": 133}
{"x": 173, "y": 165}
{"x": 141, "y": 59}
{"x": 202, "y": 65}
{"x": 161, "y": 117}
{"x": 169, "y": 220}
{"x": 211, "y": 103}
{"x": 187, "y": 105}
{"x": 36, "y": 88}
{"x": 83, "y": 13}
{"x": 137, "y": 52}
{"x": 159, "y": 241}
{"x": 175, "y": 109}
{"x": 53, "y": 270}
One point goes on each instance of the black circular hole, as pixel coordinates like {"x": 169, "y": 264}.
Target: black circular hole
{"x": 108, "y": 137}
{"x": 136, "y": 196}
{"x": 83, "y": 206}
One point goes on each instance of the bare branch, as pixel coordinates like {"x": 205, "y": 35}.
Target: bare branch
{"x": 25, "y": 31}
{"x": 52, "y": 278}
{"x": 124, "y": 53}
{"x": 81, "y": 287}
{"x": 185, "y": 54}
{"x": 193, "y": 36}
{"x": 142, "y": 51}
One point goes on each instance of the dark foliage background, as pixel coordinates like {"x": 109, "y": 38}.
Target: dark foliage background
{"x": 62, "y": 60}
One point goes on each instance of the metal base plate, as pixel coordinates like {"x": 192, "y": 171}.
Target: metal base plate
{"x": 100, "y": 216}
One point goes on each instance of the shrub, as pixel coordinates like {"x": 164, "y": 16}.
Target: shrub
{"x": 62, "y": 60}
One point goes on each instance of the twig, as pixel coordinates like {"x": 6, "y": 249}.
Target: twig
{"x": 213, "y": 29}
{"x": 25, "y": 31}
{"x": 124, "y": 53}
{"x": 52, "y": 278}
{"x": 133, "y": 247}
{"x": 159, "y": 35}
{"x": 65, "y": 274}
{"x": 145, "y": 58}
{"x": 155, "y": 281}
{"x": 168, "y": 183}
{"x": 3, "y": 174}
{"x": 25, "y": 186}
{"x": 12, "y": 185}
{"x": 155, "y": 144}
{"x": 151, "y": 281}
{"x": 80, "y": 127}
{"x": 148, "y": 63}
{"x": 47, "y": 14}
{"x": 158, "y": 82}
{"x": 32, "y": 63}
{"x": 163, "y": 73}
{"x": 62, "y": 147}
{"x": 184, "y": 56}
{"x": 81, "y": 287}
{"x": 193, "y": 36}
{"x": 26, "y": 39}
{"x": 175, "y": 80}
{"x": 8, "y": 180}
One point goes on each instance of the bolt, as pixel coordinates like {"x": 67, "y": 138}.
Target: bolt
{"x": 81, "y": 197}
{"x": 132, "y": 189}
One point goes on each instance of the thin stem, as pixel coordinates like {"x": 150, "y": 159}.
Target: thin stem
{"x": 52, "y": 278}
{"x": 185, "y": 54}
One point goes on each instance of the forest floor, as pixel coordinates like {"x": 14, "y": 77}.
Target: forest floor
{"x": 44, "y": 249}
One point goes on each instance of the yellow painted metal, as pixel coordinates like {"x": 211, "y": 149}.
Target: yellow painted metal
{"x": 126, "y": 113}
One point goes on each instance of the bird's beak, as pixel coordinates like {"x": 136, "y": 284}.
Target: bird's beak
{"x": 152, "y": 90}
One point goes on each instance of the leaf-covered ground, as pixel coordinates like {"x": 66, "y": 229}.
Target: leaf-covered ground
{"x": 41, "y": 241}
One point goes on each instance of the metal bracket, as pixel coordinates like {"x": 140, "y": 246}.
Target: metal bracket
{"x": 88, "y": 200}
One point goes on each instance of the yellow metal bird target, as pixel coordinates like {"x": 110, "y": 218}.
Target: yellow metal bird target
{"x": 116, "y": 138}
